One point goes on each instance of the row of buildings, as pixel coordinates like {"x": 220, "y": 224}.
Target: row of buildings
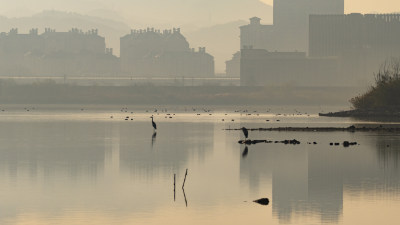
{"x": 149, "y": 53}
{"x": 167, "y": 53}
{"x": 313, "y": 43}
{"x": 310, "y": 43}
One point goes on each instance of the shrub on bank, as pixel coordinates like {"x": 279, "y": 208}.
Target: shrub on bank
{"x": 385, "y": 94}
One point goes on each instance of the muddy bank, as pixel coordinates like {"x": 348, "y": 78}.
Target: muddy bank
{"x": 327, "y": 129}
{"x": 382, "y": 113}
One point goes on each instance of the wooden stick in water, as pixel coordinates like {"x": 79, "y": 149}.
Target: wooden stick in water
{"x": 183, "y": 185}
{"x": 174, "y": 185}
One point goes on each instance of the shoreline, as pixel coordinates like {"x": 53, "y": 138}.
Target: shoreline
{"x": 326, "y": 129}
{"x": 364, "y": 114}
{"x": 154, "y": 95}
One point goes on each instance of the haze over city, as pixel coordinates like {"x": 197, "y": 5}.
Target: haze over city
{"x": 281, "y": 112}
{"x": 204, "y": 23}
{"x": 169, "y": 10}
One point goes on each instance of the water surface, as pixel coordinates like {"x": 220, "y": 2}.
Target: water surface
{"x": 77, "y": 165}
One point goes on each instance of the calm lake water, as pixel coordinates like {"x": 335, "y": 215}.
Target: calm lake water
{"x": 74, "y": 165}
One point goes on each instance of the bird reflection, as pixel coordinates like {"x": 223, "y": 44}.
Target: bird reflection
{"x": 153, "y": 138}
{"x": 245, "y": 152}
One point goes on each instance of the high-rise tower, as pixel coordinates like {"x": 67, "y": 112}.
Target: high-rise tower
{"x": 291, "y": 19}
{"x": 296, "y": 12}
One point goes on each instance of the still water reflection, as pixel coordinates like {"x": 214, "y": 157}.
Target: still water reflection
{"x": 88, "y": 168}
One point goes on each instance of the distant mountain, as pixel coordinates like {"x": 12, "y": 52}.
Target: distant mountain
{"x": 222, "y": 41}
{"x": 198, "y": 13}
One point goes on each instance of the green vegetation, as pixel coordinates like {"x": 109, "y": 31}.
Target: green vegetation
{"x": 385, "y": 94}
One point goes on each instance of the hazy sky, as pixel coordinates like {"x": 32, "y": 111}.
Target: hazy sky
{"x": 367, "y": 6}
{"x": 181, "y": 8}
{"x": 150, "y": 12}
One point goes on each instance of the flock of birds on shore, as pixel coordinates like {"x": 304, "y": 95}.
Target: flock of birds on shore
{"x": 245, "y": 131}
{"x": 198, "y": 112}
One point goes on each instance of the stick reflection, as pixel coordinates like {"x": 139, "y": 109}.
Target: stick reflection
{"x": 184, "y": 195}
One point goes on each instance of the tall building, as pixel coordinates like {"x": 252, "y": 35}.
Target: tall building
{"x": 360, "y": 42}
{"x": 259, "y": 67}
{"x": 258, "y": 36}
{"x": 291, "y": 19}
{"x": 286, "y": 43}
{"x": 294, "y": 13}
{"x": 336, "y": 35}
{"x": 151, "y": 52}
{"x": 74, "y": 41}
{"x": 52, "y": 53}
{"x": 233, "y": 66}
{"x": 289, "y": 31}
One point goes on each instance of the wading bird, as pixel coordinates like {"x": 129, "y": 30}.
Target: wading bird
{"x": 153, "y": 123}
{"x": 245, "y": 132}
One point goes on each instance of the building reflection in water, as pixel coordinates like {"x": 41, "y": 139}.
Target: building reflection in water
{"x": 94, "y": 165}
{"x": 76, "y": 149}
{"x": 110, "y": 167}
{"x": 176, "y": 144}
{"x": 313, "y": 179}
{"x": 53, "y": 149}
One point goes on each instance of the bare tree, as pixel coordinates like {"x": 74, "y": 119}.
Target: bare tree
{"x": 388, "y": 72}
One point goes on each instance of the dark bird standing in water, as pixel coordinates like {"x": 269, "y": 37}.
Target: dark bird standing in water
{"x": 245, "y": 132}
{"x": 153, "y": 123}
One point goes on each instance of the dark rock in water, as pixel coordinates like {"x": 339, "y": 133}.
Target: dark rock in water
{"x": 331, "y": 143}
{"x": 292, "y": 142}
{"x": 262, "y": 201}
{"x": 259, "y": 141}
{"x": 348, "y": 144}
{"x": 248, "y": 142}
{"x": 337, "y": 144}
{"x": 252, "y": 142}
